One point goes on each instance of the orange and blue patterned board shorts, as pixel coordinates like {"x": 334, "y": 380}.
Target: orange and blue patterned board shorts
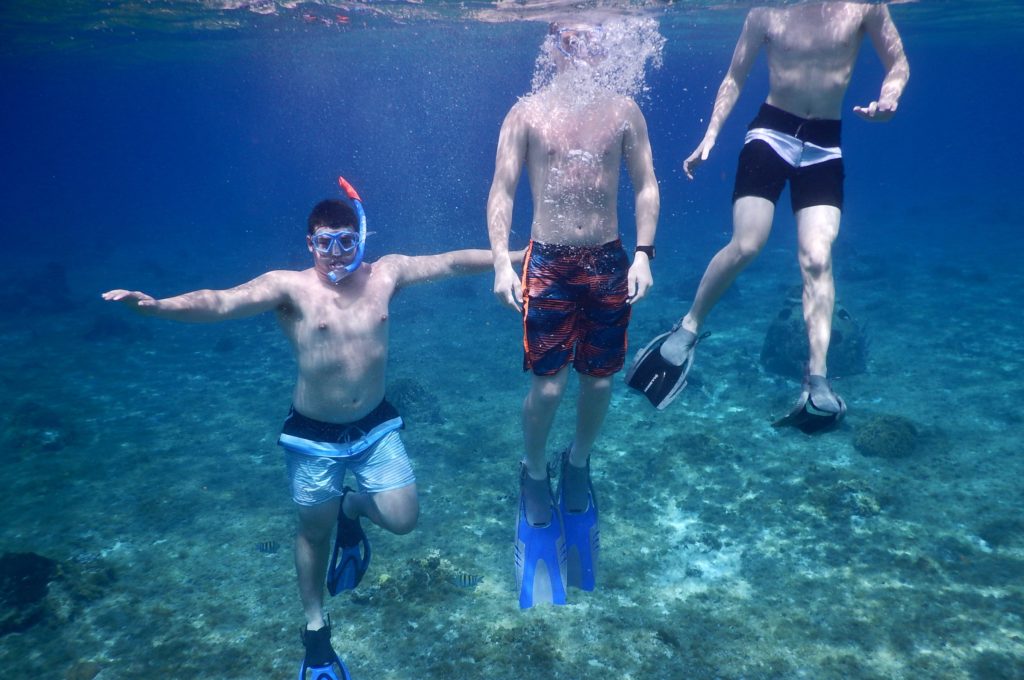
{"x": 575, "y": 308}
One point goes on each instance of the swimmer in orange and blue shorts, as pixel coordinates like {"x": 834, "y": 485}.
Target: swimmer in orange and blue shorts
{"x": 571, "y": 137}
{"x": 575, "y": 308}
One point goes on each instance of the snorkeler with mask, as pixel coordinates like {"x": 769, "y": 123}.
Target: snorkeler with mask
{"x": 335, "y": 314}
{"x": 579, "y": 42}
{"x": 333, "y": 248}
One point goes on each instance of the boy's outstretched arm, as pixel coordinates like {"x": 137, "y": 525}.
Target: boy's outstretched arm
{"x": 262, "y": 294}
{"x": 409, "y": 270}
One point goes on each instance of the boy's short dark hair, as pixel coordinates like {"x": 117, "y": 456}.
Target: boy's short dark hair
{"x": 333, "y": 214}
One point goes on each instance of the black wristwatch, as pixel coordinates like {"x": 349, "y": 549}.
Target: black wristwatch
{"x": 649, "y": 250}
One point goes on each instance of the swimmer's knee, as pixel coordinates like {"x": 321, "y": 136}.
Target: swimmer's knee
{"x": 405, "y": 526}
{"x": 746, "y": 249}
{"x": 549, "y": 389}
{"x": 403, "y": 521}
{"x": 399, "y": 510}
{"x": 594, "y": 383}
{"x": 815, "y": 262}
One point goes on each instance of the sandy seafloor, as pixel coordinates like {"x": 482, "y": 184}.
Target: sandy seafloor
{"x": 142, "y": 458}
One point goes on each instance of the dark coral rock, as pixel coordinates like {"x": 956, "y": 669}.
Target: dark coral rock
{"x": 33, "y": 428}
{"x": 88, "y": 577}
{"x": 414, "y": 402}
{"x": 226, "y": 345}
{"x": 785, "y": 347}
{"x": 887, "y": 436}
{"x": 841, "y": 498}
{"x": 107, "y": 327}
{"x": 84, "y": 670}
{"x": 992, "y": 665}
{"x": 1002, "y": 533}
{"x": 845, "y": 500}
{"x": 960, "y": 274}
{"x": 41, "y": 291}
{"x": 24, "y": 582}
{"x": 862, "y": 268}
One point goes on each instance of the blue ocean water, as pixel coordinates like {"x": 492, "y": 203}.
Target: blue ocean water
{"x": 174, "y": 146}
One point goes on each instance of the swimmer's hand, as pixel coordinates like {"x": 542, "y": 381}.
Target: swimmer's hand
{"x": 877, "y": 112}
{"x": 639, "y": 279}
{"x": 508, "y": 288}
{"x": 135, "y": 299}
{"x": 699, "y": 155}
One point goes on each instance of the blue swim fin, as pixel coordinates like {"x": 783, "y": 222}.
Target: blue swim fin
{"x": 321, "y": 661}
{"x": 540, "y": 558}
{"x": 582, "y": 534}
{"x": 351, "y": 556}
{"x": 333, "y": 670}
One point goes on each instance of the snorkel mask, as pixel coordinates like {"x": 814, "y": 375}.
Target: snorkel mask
{"x": 579, "y": 43}
{"x": 343, "y": 242}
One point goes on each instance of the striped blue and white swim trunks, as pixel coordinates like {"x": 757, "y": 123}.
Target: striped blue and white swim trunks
{"x": 318, "y": 454}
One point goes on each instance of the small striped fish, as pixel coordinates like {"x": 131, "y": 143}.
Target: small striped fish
{"x": 464, "y": 580}
{"x": 267, "y": 547}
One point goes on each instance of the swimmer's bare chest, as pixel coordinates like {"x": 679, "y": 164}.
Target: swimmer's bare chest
{"x": 332, "y": 331}
{"x": 574, "y": 171}
{"x": 810, "y": 68}
{"x": 814, "y": 38}
{"x": 591, "y": 138}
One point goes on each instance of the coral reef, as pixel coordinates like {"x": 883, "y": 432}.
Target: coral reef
{"x": 887, "y": 436}
{"x": 31, "y": 427}
{"x": 24, "y": 583}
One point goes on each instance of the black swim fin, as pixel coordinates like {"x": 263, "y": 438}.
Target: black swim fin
{"x": 818, "y": 409}
{"x": 659, "y": 379}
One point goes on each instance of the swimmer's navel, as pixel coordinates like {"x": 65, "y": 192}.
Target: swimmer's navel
{"x": 322, "y": 325}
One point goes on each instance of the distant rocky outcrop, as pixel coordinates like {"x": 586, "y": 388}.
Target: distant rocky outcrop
{"x": 785, "y": 347}
{"x": 24, "y": 583}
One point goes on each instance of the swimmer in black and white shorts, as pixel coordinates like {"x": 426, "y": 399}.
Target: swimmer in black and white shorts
{"x": 781, "y": 146}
